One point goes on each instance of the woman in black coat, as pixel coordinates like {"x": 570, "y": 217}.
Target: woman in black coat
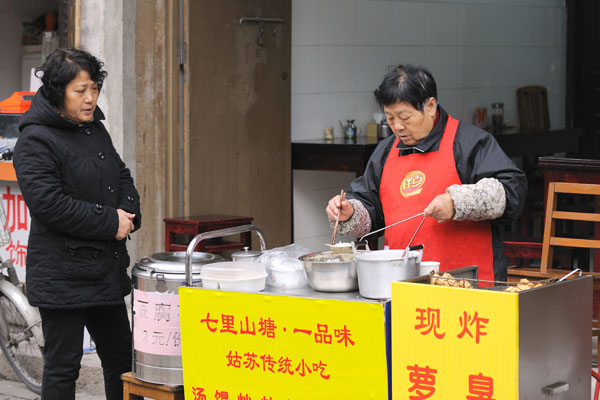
{"x": 83, "y": 206}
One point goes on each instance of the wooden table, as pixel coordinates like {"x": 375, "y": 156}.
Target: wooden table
{"x": 338, "y": 154}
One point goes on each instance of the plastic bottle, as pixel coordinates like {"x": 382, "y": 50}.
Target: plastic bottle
{"x": 49, "y": 37}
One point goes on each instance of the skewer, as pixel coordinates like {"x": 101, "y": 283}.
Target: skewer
{"x": 337, "y": 219}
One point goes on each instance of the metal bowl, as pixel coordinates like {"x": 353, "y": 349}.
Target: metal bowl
{"x": 328, "y": 272}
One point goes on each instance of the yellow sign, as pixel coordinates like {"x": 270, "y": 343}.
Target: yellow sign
{"x": 453, "y": 343}
{"x": 251, "y": 346}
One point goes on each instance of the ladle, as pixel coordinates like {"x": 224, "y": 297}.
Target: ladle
{"x": 396, "y": 223}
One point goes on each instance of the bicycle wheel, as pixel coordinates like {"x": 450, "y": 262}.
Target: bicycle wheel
{"x": 19, "y": 345}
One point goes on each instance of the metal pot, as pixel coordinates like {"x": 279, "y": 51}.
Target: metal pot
{"x": 328, "y": 272}
{"x": 246, "y": 255}
{"x": 155, "y": 301}
{"x": 378, "y": 269}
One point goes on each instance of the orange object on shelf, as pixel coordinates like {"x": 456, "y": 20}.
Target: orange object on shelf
{"x": 17, "y": 103}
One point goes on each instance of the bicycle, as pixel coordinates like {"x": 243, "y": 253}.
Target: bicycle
{"x": 21, "y": 338}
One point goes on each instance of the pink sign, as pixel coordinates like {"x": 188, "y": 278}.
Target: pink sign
{"x": 156, "y": 323}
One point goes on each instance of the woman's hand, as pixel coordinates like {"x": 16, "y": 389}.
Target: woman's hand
{"x": 333, "y": 208}
{"x": 125, "y": 224}
{"x": 441, "y": 208}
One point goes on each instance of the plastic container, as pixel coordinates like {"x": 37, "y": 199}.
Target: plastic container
{"x": 239, "y": 276}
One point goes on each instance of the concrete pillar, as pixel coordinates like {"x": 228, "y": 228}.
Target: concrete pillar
{"x": 108, "y": 32}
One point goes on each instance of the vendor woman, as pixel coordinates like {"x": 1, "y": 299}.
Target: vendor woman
{"x": 454, "y": 172}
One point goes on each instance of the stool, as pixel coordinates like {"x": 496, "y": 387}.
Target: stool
{"x": 175, "y": 228}
{"x": 135, "y": 389}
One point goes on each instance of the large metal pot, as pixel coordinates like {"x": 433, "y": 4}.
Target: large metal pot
{"x": 155, "y": 304}
{"x": 378, "y": 269}
{"x": 328, "y": 272}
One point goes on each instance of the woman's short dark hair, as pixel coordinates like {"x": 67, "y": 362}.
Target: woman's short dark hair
{"x": 61, "y": 67}
{"x": 414, "y": 85}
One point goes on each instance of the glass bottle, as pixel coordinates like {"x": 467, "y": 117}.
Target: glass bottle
{"x": 497, "y": 118}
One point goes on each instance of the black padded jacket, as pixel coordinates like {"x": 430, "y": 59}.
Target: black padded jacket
{"x": 73, "y": 181}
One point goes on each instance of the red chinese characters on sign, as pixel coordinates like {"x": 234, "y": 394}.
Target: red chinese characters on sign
{"x": 428, "y": 321}
{"x": 198, "y": 393}
{"x": 16, "y": 220}
{"x": 480, "y": 387}
{"x": 283, "y": 365}
{"x": 16, "y": 211}
{"x": 467, "y": 321}
{"x": 221, "y": 395}
{"x": 423, "y": 382}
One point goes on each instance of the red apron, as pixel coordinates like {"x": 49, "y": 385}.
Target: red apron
{"x": 408, "y": 184}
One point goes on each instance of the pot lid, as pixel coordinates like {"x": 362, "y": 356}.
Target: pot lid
{"x": 174, "y": 261}
{"x": 246, "y": 253}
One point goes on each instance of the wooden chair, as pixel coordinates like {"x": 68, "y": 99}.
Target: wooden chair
{"x": 135, "y": 389}
{"x": 550, "y": 240}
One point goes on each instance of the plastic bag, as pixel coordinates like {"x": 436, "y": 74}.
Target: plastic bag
{"x": 284, "y": 270}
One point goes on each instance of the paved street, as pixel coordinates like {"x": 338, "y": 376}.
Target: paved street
{"x": 90, "y": 385}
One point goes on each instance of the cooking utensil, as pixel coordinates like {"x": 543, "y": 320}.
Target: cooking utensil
{"x": 415, "y": 234}
{"x": 337, "y": 219}
{"x": 394, "y": 224}
{"x": 328, "y": 272}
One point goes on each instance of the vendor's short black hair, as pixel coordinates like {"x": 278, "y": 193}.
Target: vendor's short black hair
{"x": 414, "y": 85}
{"x": 61, "y": 67}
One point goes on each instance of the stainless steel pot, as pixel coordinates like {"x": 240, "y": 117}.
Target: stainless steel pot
{"x": 246, "y": 255}
{"x": 328, "y": 272}
{"x": 378, "y": 269}
{"x": 156, "y": 281}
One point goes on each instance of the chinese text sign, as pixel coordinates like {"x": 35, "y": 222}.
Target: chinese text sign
{"x": 453, "y": 343}
{"x": 257, "y": 346}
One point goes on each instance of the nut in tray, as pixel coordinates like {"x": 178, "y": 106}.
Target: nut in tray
{"x": 446, "y": 279}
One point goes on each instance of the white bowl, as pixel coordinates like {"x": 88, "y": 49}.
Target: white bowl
{"x": 229, "y": 275}
{"x": 427, "y": 266}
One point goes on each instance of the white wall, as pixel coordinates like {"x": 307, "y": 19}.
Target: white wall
{"x": 479, "y": 51}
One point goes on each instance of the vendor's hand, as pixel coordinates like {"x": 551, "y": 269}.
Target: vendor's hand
{"x": 333, "y": 208}
{"x": 125, "y": 224}
{"x": 441, "y": 208}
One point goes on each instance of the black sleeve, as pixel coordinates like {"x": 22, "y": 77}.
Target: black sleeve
{"x": 37, "y": 166}
{"x": 478, "y": 155}
{"x": 366, "y": 188}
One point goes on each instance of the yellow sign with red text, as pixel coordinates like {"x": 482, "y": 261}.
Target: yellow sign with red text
{"x": 453, "y": 343}
{"x": 253, "y": 346}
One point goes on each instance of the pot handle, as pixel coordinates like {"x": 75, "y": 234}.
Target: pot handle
{"x": 216, "y": 234}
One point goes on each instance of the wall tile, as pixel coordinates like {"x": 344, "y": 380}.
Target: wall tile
{"x": 305, "y": 22}
{"x": 489, "y": 25}
{"x": 371, "y": 64}
{"x": 447, "y": 99}
{"x": 374, "y": 23}
{"x": 534, "y": 27}
{"x": 305, "y": 217}
{"x": 305, "y": 123}
{"x": 366, "y": 105}
{"x": 334, "y": 107}
{"x": 440, "y": 24}
{"x": 442, "y": 63}
{"x": 473, "y": 66}
{"x": 407, "y": 55}
{"x": 337, "y": 68}
{"x": 310, "y": 243}
{"x": 408, "y": 23}
{"x": 304, "y": 69}
{"x": 337, "y": 22}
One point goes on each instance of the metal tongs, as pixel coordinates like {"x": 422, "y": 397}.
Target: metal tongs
{"x": 399, "y": 222}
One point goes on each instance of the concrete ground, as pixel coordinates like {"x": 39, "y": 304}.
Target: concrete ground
{"x": 90, "y": 385}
